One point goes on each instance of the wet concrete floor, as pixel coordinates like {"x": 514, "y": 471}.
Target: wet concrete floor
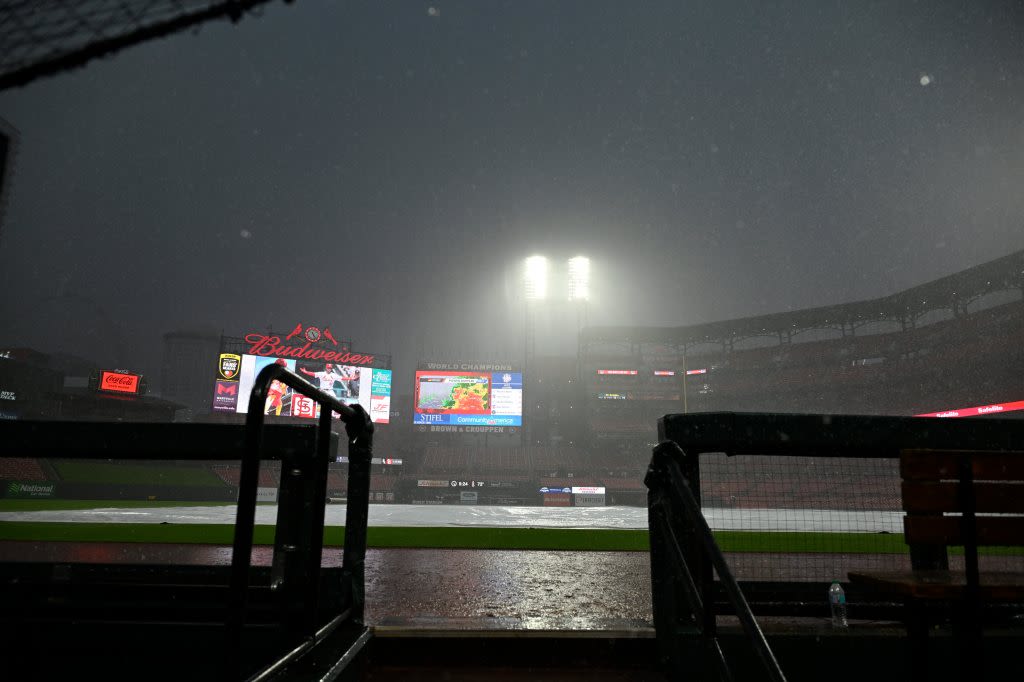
{"x": 473, "y": 590}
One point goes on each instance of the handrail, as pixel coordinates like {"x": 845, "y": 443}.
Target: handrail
{"x": 359, "y": 429}
{"x": 667, "y": 484}
{"x": 304, "y": 447}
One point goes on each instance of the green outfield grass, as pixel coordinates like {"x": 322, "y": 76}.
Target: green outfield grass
{"x": 445, "y": 537}
{"x": 429, "y": 537}
{"x": 574, "y": 539}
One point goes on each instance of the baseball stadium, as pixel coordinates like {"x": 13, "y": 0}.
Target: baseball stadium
{"x": 341, "y": 464}
{"x": 787, "y": 523}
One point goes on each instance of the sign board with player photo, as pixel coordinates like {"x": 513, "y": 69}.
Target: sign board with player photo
{"x": 341, "y": 381}
{"x": 368, "y": 386}
{"x": 279, "y": 396}
{"x": 313, "y": 353}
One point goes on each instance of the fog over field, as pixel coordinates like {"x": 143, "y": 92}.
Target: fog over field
{"x": 384, "y": 168}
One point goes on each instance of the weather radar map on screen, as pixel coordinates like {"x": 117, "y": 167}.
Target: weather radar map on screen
{"x": 469, "y": 398}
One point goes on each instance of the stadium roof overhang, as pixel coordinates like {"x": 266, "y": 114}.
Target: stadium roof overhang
{"x": 953, "y": 291}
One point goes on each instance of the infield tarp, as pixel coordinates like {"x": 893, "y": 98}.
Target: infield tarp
{"x": 402, "y": 515}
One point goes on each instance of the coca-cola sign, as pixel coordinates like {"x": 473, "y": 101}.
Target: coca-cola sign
{"x": 119, "y": 382}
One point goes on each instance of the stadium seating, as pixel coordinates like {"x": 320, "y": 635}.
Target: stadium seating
{"x": 269, "y": 477}
{"x": 21, "y": 469}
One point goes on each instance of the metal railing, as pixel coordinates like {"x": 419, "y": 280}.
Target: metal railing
{"x": 298, "y": 545}
{"x": 682, "y": 594}
{"x": 834, "y": 437}
{"x": 683, "y": 555}
{"x": 298, "y": 612}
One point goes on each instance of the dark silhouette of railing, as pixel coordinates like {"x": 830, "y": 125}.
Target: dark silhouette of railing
{"x": 683, "y": 556}
{"x": 682, "y": 592}
{"x": 298, "y": 545}
{"x": 289, "y": 616}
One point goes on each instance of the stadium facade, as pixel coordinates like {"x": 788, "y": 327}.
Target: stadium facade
{"x": 955, "y": 342}
{"x": 952, "y": 343}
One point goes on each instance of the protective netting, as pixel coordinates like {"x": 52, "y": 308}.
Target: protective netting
{"x": 41, "y": 37}
{"x": 788, "y": 518}
{"x": 804, "y": 518}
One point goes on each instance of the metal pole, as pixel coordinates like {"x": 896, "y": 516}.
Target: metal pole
{"x": 685, "y": 406}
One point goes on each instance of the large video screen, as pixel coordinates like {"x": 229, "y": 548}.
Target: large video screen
{"x": 368, "y": 386}
{"x": 460, "y": 398}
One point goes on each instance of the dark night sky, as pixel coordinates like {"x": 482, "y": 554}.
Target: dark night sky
{"x": 383, "y": 171}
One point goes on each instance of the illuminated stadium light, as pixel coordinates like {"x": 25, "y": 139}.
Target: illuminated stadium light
{"x": 579, "y": 278}
{"x": 536, "y": 278}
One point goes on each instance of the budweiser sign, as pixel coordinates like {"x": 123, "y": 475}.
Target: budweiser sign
{"x": 119, "y": 382}
{"x": 272, "y": 346}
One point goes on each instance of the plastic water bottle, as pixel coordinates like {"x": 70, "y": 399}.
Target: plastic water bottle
{"x": 837, "y": 601}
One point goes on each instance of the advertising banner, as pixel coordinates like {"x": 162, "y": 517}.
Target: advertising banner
{"x": 225, "y": 396}
{"x": 22, "y": 489}
{"x": 312, "y": 352}
{"x": 229, "y": 366}
{"x": 119, "y": 382}
{"x": 978, "y": 410}
{"x": 380, "y": 396}
{"x": 367, "y": 386}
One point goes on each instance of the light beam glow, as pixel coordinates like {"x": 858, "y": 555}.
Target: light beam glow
{"x": 579, "y": 278}
{"x": 536, "y": 278}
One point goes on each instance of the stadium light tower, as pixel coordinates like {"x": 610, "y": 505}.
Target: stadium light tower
{"x": 579, "y": 278}
{"x": 535, "y": 276}
{"x": 535, "y": 288}
{"x": 579, "y": 295}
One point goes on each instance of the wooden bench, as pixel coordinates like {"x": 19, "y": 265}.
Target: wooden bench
{"x": 955, "y": 498}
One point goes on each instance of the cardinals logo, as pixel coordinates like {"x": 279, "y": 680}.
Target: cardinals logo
{"x": 312, "y": 334}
